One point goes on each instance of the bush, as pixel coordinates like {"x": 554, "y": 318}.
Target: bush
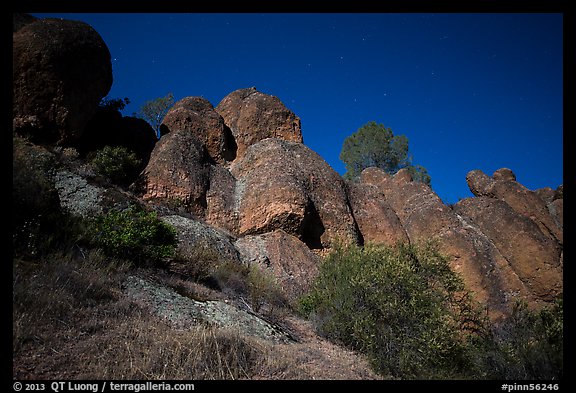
{"x": 117, "y": 163}
{"x": 258, "y": 286}
{"x": 402, "y": 306}
{"x": 527, "y": 345}
{"x": 133, "y": 234}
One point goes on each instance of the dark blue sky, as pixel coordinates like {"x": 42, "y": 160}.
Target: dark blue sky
{"x": 470, "y": 91}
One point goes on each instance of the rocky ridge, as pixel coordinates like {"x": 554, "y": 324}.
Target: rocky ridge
{"x": 238, "y": 178}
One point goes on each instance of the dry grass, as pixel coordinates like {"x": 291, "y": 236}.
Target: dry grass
{"x": 72, "y": 321}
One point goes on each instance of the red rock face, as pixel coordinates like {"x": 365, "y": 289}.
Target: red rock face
{"x": 376, "y": 220}
{"x": 177, "y": 173}
{"x": 197, "y": 116}
{"x": 483, "y": 267}
{"x": 253, "y": 116}
{"x": 285, "y": 185}
{"x": 503, "y": 186}
{"x": 61, "y": 70}
{"x": 533, "y": 256}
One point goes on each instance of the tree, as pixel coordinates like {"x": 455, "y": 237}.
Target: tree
{"x": 153, "y": 111}
{"x": 114, "y": 104}
{"x": 374, "y": 145}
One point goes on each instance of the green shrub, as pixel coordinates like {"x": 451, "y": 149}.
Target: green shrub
{"x": 527, "y": 345}
{"x": 402, "y": 306}
{"x": 117, "y": 163}
{"x": 133, "y": 234}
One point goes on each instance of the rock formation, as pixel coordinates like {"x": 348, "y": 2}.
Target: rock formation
{"x": 238, "y": 180}
{"x": 61, "y": 70}
{"x": 285, "y": 185}
{"x": 503, "y": 185}
{"x": 253, "y": 116}
{"x": 376, "y": 220}
{"x": 197, "y": 240}
{"x": 285, "y": 257}
{"x": 197, "y": 116}
{"x": 533, "y": 256}
{"x": 177, "y": 173}
{"x": 423, "y": 216}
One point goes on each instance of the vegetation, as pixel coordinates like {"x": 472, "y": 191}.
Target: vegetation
{"x": 374, "y": 145}
{"x": 133, "y": 234}
{"x": 114, "y": 104}
{"x": 255, "y": 285}
{"x": 527, "y": 345}
{"x": 153, "y": 111}
{"x": 119, "y": 164}
{"x": 402, "y": 306}
{"x": 68, "y": 311}
{"x": 408, "y": 312}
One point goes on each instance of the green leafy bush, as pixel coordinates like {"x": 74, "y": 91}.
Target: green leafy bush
{"x": 117, "y": 163}
{"x": 402, "y": 306}
{"x": 133, "y": 234}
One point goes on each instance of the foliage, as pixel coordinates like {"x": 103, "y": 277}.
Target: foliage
{"x": 153, "y": 111}
{"x": 419, "y": 173}
{"x": 402, "y": 306}
{"x": 374, "y": 145}
{"x": 117, "y": 163}
{"x": 114, "y": 104}
{"x": 407, "y": 311}
{"x": 133, "y": 234}
{"x": 527, "y": 345}
{"x": 250, "y": 281}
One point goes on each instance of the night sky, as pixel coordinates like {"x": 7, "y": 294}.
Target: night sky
{"x": 470, "y": 91}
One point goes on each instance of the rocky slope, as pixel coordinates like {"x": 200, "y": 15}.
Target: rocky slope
{"x": 238, "y": 179}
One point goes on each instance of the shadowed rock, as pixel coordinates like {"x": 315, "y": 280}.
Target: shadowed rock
{"x": 61, "y": 70}
{"x": 109, "y": 128}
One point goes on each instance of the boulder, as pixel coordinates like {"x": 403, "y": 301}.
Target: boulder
{"x": 61, "y": 70}
{"x": 503, "y": 186}
{"x": 376, "y": 220}
{"x": 253, "y": 116}
{"x": 533, "y": 256}
{"x": 177, "y": 173}
{"x": 285, "y": 185}
{"x": 197, "y": 116}
{"x": 289, "y": 260}
{"x": 182, "y": 312}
